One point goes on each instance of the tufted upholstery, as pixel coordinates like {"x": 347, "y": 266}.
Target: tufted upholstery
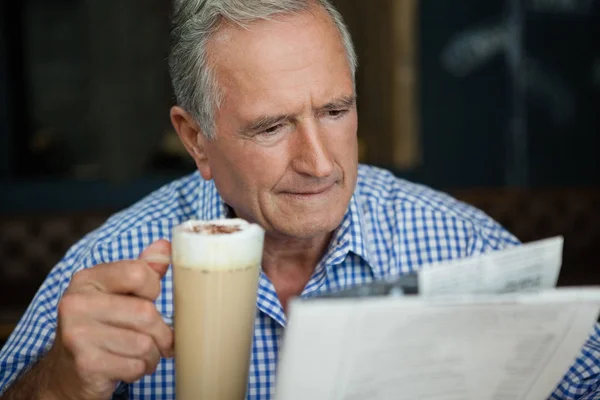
{"x": 30, "y": 245}
{"x": 537, "y": 214}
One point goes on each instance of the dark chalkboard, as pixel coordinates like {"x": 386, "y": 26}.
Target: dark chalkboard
{"x": 511, "y": 92}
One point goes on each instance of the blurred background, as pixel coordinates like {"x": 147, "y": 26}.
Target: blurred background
{"x": 496, "y": 102}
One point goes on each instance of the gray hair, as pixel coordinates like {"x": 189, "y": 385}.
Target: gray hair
{"x": 193, "y": 24}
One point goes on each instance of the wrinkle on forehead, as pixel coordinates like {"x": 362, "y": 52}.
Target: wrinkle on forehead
{"x": 270, "y": 67}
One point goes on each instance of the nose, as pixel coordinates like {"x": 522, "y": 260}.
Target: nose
{"x": 312, "y": 157}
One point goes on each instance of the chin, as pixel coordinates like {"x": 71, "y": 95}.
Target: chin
{"x": 306, "y": 227}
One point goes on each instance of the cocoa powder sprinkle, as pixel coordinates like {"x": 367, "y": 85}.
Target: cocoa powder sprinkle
{"x": 213, "y": 229}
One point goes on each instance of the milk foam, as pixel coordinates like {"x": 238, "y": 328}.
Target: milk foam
{"x": 194, "y": 246}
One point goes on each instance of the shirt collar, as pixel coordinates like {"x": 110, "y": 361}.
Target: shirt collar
{"x": 349, "y": 237}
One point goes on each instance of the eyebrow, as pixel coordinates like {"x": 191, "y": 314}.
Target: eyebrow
{"x": 342, "y": 102}
{"x": 266, "y": 121}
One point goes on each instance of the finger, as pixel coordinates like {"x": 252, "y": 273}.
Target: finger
{"x": 114, "y": 367}
{"x": 134, "y": 277}
{"x": 158, "y": 256}
{"x": 117, "y": 310}
{"x": 127, "y": 343}
{"x": 131, "y": 313}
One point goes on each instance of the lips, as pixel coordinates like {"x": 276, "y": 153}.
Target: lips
{"x": 310, "y": 192}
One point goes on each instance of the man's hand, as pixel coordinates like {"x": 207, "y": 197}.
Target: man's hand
{"x": 109, "y": 329}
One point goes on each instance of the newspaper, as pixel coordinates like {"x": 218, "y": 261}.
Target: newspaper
{"x": 529, "y": 267}
{"x": 505, "y": 344}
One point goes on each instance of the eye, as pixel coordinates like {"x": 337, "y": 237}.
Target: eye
{"x": 272, "y": 130}
{"x": 336, "y": 113}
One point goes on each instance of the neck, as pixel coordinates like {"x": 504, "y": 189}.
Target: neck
{"x": 282, "y": 253}
{"x": 289, "y": 263}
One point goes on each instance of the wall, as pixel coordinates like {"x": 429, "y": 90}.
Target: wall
{"x": 95, "y": 81}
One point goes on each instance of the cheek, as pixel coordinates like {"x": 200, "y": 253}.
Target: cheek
{"x": 345, "y": 143}
{"x": 352, "y": 128}
{"x": 265, "y": 167}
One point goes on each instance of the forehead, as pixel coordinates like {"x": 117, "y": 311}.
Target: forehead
{"x": 278, "y": 61}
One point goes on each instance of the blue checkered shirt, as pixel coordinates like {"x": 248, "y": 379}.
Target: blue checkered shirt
{"x": 392, "y": 227}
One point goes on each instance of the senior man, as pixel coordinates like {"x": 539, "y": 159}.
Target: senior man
{"x": 267, "y": 109}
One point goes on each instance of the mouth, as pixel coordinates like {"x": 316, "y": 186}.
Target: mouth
{"x": 313, "y": 192}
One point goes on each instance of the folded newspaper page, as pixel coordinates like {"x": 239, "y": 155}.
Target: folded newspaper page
{"x": 486, "y": 327}
{"x": 529, "y": 267}
{"x": 455, "y": 347}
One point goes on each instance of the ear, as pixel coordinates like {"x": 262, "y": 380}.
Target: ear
{"x": 192, "y": 138}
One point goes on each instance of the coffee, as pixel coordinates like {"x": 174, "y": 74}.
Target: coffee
{"x": 216, "y": 266}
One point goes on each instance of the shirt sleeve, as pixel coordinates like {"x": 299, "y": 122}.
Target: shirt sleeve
{"x": 582, "y": 380}
{"x": 35, "y": 332}
{"x": 490, "y": 236}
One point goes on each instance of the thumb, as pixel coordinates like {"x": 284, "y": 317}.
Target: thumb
{"x": 158, "y": 256}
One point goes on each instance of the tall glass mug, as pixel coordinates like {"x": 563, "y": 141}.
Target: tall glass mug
{"x": 216, "y": 265}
